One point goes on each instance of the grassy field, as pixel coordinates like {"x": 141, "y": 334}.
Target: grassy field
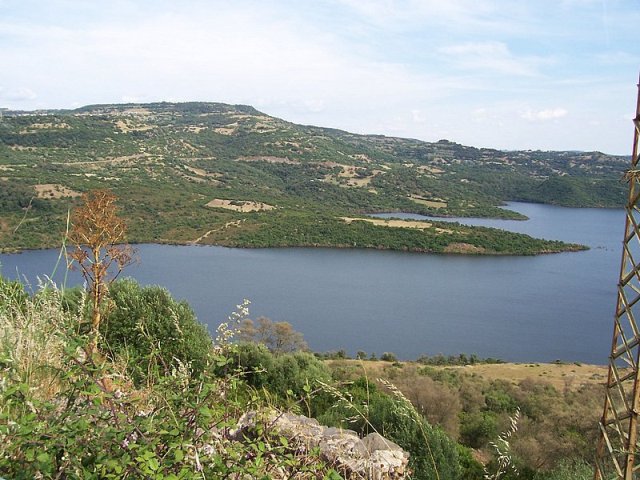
{"x": 559, "y": 375}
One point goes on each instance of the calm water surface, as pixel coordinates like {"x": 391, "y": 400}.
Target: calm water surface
{"x": 524, "y": 309}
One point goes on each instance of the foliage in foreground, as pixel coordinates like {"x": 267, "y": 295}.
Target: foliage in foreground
{"x": 82, "y": 417}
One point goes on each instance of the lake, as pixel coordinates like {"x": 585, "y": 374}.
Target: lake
{"x": 525, "y": 309}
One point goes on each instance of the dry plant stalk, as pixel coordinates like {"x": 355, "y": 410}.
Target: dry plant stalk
{"x": 97, "y": 235}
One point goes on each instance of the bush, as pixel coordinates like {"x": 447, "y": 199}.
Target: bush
{"x": 477, "y": 428}
{"x": 153, "y": 330}
{"x": 388, "y": 357}
{"x": 279, "y": 374}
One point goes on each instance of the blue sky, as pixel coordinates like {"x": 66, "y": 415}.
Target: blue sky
{"x": 506, "y": 74}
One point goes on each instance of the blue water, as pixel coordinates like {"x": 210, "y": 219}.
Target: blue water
{"x": 524, "y": 309}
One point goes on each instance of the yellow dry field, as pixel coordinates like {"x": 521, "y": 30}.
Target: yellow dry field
{"x": 428, "y": 203}
{"x": 127, "y": 126}
{"x": 137, "y": 111}
{"x": 434, "y": 170}
{"x": 350, "y": 174}
{"x": 361, "y": 156}
{"x": 390, "y": 223}
{"x": 561, "y": 375}
{"x": 225, "y": 130}
{"x": 240, "y": 206}
{"x": 45, "y": 126}
{"x": 264, "y": 127}
{"x": 359, "y": 182}
{"x": 54, "y": 190}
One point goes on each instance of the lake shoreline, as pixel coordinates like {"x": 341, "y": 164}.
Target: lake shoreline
{"x": 408, "y": 303}
{"x": 570, "y": 248}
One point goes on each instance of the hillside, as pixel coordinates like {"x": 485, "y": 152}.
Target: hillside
{"x": 212, "y": 173}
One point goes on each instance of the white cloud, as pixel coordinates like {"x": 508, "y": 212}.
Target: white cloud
{"x": 17, "y": 94}
{"x": 490, "y": 56}
{"x": 418, "y": 116}
{"x": 400, "y": 13}
{"x": 544, "y": 115}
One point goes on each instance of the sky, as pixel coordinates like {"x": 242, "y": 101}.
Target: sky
{"x": 505, "y": 74}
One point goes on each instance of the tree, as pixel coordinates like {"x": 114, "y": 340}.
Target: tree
{"x": 97, "y": 235}
{"x": 279, "y": 337}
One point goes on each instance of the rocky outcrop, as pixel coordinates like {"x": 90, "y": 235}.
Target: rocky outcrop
{"x": 372, "y": 457}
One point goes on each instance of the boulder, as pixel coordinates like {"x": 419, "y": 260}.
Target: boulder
{"x": 372, "y": 457}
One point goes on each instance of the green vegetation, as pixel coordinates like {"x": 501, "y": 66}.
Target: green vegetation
{"x": 158, "y": 398}
{"x": 173, "y": 167}
{"x": 556, "y": 431}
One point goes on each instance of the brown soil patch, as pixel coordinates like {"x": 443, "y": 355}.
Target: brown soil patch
{"x": 382, "y": 222}
{"x": 225, "y": 130}
{"x": 240, "y": 205}
{"x": 54, "y": 190}
{"x": 465, "y": 248}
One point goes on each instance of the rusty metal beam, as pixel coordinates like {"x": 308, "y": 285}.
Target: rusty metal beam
{"x": 617, "y": 446}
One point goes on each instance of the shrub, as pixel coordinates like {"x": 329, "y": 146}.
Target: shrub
{"x": 477, "y": 428}
{"x": 388, "y": 357}
{"x": 153, "y": 330}
{"x": 279, "y": 374}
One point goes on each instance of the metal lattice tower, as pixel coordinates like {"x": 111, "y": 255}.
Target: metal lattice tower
{"x": 618, "y": 450}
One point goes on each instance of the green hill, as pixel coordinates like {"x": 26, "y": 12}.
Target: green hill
{"x": 221, "y": 174}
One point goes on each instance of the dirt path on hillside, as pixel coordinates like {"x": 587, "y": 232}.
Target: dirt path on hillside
{"x": 206, "y": 234}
